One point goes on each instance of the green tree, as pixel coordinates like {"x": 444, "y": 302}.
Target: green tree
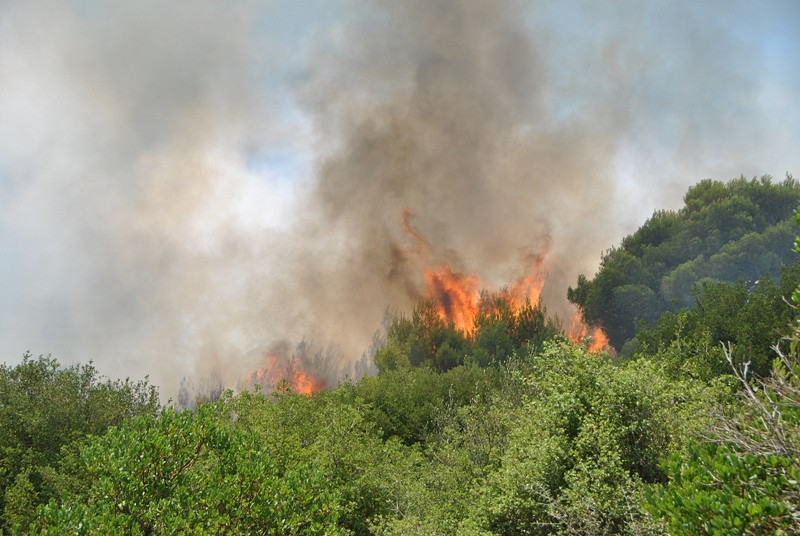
{"x": 498, "y": 330}
{"x": 750, "y": 317}
{"x": 404, "y": 403}
{"x": 190, "y": 473}
{"x": 723, "y": 233}
{"x": 747, "y": 481}
{"x": 424, "y": 339}
{"x": 583, "y": 442}
{"x": 45, "y": 410}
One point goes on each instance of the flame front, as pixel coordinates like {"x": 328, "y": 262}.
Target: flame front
{"x": 578, "y": 331}
{"x": 458, "y": 300}
{"x": 278, "y": 368}
{"x": 456, "y": 296}
{"x": 599, "y": 341}
{"x": 528, "y": 288}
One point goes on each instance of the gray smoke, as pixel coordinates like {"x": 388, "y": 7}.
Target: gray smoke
{"x": 186, "y": 186}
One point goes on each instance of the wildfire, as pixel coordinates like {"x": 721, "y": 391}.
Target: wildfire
{"x": 578, "y": 331}
{"x": 278, "y": 368}
{"x": 456, "y": 295}
{"x": 457, "y": 298}
{"x": 599, "y": 341}
{"x": 528, "y": 288}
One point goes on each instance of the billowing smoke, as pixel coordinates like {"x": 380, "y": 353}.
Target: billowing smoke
{"x": 463, "y": 137}
{"x": 187, "y": 186}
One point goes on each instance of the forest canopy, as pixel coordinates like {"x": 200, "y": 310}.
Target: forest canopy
{"x": 725, "y": 232}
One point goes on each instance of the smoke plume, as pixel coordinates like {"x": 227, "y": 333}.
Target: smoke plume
{"x": 185, "y": 189}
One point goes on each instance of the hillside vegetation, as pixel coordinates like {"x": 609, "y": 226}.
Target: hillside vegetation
{"x": 724, "y": 233}
{"x": 509, "y": 428}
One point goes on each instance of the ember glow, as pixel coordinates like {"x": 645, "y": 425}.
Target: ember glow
{"x": 279, "y": 368}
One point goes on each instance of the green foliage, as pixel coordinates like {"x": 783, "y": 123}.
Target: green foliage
{"x": 552, "y": 442}
{"x": 504, "y": 429}
{"x": 182, "y": 473}
{"x": 498, "y": 331}
{"x": 748, "y": 480}
{"x": 683, "y": 348}
{"x": 724, "y": 232}
{"x": 585, "y": 439}
{"x": 404, "y": 403}
{"x": 716, "y": 490}
{"x": 424, "y": 339}
{"x": 796, "y": 289}
{"x": 45, "y": 409}
{"x": 332, "y": 432}
{"x": 751, "y": 319}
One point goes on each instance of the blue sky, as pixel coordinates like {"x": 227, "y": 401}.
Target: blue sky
{"x": 184, "y": 184}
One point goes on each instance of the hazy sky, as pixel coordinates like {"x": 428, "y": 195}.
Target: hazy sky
{"x": 187, "y": 185}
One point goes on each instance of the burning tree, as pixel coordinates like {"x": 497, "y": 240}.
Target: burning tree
{"x": 496, "y": 328}
{"x": 495, "y": 321}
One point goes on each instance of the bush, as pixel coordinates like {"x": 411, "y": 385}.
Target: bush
{"x": 45, "y": 411}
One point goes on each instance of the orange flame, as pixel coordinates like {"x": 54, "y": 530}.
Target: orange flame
{"x": 599, "y": 341}
{"x": 577, "y": 328}
{"x": 455, "y": 295}
{"x": 278, "y": 368}
{"x": 578, "y": 331}
{"x": 458, "y": 300}
{"x": 528, "y": 288}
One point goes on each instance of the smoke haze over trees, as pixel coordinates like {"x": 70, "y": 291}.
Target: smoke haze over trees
{"x": 502, "y": 427}
{"x": 185, "y": 187}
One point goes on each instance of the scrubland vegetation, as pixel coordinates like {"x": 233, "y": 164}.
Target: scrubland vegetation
{"x": 510, "y": 428}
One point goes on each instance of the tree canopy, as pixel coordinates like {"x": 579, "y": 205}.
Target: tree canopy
{"x": 46, "y": 410}
{"x": 725, "y": 232}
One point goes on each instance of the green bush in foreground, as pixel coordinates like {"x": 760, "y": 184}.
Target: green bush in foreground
{"x": 748, "y": 480}
{"x": 714, "y": 489}
{"x": 585, "y": 442}
{"x": 46, "y": 410}
{"x": 187, "y": 473}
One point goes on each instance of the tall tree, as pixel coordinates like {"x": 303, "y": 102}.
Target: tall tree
{"x": 724, "y": 232}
